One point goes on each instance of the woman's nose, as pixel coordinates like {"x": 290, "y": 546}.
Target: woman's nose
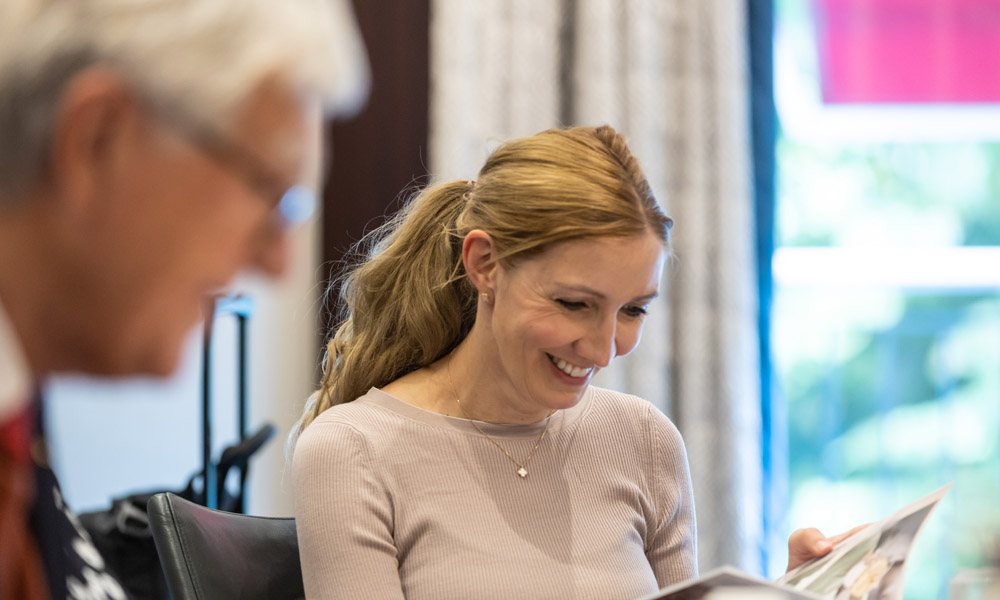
{"x": 598, "y": 342}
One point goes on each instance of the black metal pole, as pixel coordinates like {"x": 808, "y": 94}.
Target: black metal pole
{"x": 241, "y": 320}
{"x": 207, "y": 468}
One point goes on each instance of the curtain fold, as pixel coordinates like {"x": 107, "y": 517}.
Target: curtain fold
{"x": 494, "y": 75}
{"x": 671, "y": 75}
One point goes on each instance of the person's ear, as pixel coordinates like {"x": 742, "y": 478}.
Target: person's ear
{"x": 93, "y": 119}
{"x": 480, "y": 260}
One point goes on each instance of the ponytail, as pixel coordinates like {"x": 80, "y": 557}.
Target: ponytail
{"x": 404, "y": 307}
{"x": 409, "y": 302}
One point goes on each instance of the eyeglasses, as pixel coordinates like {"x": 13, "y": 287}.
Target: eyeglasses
{"x": 294, "y": 204}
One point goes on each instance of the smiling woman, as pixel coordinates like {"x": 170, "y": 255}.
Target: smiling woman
{"x": 413, "y": 298}
{"x": 456, "y": 448}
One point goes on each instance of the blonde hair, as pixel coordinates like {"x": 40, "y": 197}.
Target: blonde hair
{"x": 409, "y": 302}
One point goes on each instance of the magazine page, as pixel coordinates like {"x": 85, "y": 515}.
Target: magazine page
{"x": 870, "y": 564}
{"x": 725, "y": 578}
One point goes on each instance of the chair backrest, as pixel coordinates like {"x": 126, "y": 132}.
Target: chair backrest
{"x": 211, "y": 554}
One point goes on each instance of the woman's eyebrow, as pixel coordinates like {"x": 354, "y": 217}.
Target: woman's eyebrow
{"x": 601, "y": 296}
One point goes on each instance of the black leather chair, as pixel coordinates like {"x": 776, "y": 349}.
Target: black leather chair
{"x": 212, "y": 555}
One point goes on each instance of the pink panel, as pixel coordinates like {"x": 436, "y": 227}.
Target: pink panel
{"x": 910, "y": 51}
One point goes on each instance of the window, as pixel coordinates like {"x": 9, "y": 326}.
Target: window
{"x": 886, "y": 314}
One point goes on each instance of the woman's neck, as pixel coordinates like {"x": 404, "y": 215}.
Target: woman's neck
{"x": 469, "y": 383}
{"x": 481, "y": 388}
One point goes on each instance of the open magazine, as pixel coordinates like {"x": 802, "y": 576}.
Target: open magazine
{"x": 869, "y": 565}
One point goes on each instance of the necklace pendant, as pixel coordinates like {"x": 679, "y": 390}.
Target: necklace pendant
{"x": 522, "y": 472}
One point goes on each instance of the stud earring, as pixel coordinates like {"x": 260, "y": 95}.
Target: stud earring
{"x": 485, "y": 297}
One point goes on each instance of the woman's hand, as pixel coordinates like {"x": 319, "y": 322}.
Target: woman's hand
{"x": 807, "y": 544}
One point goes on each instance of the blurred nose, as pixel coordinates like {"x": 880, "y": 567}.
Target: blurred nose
{"x": 271, "y": 255}
{"x": 598, "y": 343}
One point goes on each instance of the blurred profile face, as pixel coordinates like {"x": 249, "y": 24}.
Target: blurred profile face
{"x": 561, "y": 316}
{"x": 178, "y": 213}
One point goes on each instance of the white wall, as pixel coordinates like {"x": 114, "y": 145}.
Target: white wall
{"x": 108, "y": 438}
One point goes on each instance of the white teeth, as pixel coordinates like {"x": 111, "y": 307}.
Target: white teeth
{"x": 569, "y": 369}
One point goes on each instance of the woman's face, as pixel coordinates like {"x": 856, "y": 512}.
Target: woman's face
{"x": 559, "y": 317}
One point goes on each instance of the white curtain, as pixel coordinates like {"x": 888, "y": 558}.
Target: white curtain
{"x": 671, "y": 76}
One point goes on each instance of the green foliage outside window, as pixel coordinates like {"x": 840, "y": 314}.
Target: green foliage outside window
{"x": 890, "y": 392}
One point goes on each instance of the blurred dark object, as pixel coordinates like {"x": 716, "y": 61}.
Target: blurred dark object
{"x": 122, "y": 536}
{"x": 122, "y": 533}
{"x": 209, "y": 554}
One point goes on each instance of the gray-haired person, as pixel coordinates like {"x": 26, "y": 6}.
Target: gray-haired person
{"x": 149, "y": 150}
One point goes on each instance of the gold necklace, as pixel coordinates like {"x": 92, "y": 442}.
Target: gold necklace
{"x": 522, "y": 470}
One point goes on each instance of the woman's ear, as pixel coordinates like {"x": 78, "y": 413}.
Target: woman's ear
{"x": 480, "y": 260}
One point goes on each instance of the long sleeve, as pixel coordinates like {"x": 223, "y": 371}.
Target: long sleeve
{"x": 672, "y": 547}
{"x": 344, "y": 517}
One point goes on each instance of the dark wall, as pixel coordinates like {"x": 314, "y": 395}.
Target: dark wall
{"x": 382, "y": 150}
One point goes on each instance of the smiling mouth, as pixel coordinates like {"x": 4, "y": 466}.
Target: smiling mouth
{"x": 571, "y": 370}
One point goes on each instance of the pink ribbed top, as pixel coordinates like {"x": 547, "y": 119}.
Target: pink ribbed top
{"x": 393, "y": 501}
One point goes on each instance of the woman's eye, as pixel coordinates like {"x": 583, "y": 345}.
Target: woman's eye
{"x": 635, "y": 311}
{"x": 571, "y": 305}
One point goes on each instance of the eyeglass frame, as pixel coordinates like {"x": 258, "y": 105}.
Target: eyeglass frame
{"x": 292, "y": 204}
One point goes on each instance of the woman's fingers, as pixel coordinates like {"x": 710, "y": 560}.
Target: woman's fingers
{"x": 843, "y": 536}
{"x": 806, "y": 544}
{"x": 809, "y": 543}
